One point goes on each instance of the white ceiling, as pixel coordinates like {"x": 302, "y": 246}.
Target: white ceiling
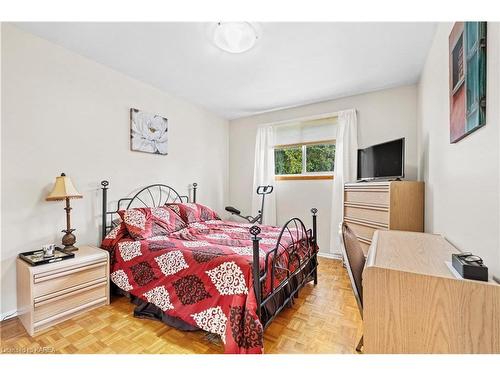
{"x": 292, "y": 63}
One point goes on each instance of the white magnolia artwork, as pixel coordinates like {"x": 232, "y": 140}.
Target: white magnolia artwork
{"x": 148, "y": 132}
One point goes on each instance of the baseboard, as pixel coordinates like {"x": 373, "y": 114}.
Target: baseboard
{"x": 8, "y": 315}
{"x": 330, "y": 255}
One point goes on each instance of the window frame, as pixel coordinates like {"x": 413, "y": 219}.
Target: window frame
{"x": 304, "y": 175}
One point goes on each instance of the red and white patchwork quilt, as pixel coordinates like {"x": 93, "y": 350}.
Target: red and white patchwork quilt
{"x": 202, "y": 274}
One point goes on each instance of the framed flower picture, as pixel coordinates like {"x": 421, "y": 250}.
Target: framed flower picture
{"x": 148, "y": 132}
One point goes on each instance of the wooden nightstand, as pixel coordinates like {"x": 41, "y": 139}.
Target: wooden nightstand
{"x": 51, "y": 293}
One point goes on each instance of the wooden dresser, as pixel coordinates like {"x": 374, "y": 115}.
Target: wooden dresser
{"x": 51, "y": 293}
{"x": 396, "y": 205}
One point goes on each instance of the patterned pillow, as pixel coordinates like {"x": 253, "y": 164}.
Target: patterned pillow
{"x": 193, "y": 212}
{"x": 143, "y": 223}
{"x": 114, "y": 235}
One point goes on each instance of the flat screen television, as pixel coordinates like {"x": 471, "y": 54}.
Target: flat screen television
{"x": 382, "y": 161}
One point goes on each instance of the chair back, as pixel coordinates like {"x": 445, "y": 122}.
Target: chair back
{"x": 355, "y": 261}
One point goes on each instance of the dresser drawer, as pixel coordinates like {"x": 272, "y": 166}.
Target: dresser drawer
{"x": 57, "y": 280}
{"x": 374, "y": 197}
{"x": 53, "y": 306}
{"x": 363, "y": 230}
{"x": 370, "y": 214}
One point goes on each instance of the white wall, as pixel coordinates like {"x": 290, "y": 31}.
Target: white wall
{"x": 65, "y": 113}
{"x": 382, "y": 116}
{"x": 462, "y": 179}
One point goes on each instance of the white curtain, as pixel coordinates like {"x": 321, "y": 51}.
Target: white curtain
{"x": 346, "y": 159}
{"x": 263, "y": 173}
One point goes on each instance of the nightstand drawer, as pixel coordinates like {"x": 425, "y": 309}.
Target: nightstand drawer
{"x": 53, "y": 306}
{"x": 57, "y": 280}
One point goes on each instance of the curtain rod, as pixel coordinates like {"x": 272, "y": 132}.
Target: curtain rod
{"x": 299, "y": 119}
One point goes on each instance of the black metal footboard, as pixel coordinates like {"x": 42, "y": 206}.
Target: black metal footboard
{"x": 305, "y": 267}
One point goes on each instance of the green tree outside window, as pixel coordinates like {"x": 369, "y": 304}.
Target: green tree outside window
{"x": 319, "y": 158}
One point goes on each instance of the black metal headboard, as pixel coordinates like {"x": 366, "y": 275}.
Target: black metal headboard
{"x": 150, "y": 196}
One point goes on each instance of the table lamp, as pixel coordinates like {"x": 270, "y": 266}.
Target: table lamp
{"x": 65, "y": 190}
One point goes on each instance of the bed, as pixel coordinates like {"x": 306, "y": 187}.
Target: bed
{"x": 181, "y": 264}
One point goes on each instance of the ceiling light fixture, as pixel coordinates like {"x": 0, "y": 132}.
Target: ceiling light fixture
{"x": 235, "y": 37}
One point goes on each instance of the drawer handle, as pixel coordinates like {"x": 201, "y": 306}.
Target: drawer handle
{"x": 366, "y": 223}
{"x": 364, "y": 240}
{"x": 365, "y": 203}
{"x": 381, "y": 189}
{"x": 55, "y": 275}
{"x": 368, "y": 206}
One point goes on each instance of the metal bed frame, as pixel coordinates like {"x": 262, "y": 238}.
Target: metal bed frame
{"x": 280, "y": 296}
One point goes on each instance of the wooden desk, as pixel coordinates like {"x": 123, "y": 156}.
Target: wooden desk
{"x": 412, "y": 303}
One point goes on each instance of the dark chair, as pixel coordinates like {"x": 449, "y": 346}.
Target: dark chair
{"x": 354, "y": 260}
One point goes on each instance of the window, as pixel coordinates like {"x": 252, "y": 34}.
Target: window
{"x": 305, "y": 148}
{"x": 305, "y": 160}
{"x": 288, "y": 160}
{"x": 320, "y": 157}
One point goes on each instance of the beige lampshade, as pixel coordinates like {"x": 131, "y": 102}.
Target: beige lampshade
{"x": 63, "y": 188}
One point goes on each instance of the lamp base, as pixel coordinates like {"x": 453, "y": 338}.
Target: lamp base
{"x": 69, "y": 240}
{"x": 70, "y": 248}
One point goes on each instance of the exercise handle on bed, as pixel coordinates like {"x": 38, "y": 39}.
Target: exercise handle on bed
{"x": 233, "y": 210}
{"x": 265, "y": 189}
{"x": 262, "y": 190}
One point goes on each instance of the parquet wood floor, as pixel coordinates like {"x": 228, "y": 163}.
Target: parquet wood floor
{"x": 324, "y": 319}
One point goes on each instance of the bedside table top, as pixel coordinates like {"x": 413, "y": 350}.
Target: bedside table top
{"x": 84, "y": 254}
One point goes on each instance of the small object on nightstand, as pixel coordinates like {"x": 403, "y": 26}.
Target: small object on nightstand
{"x": 48, "y": 250}
{"x": 38, "y": 257}
{"x": 65, "y": 190}
{"x": 470, "y": 266}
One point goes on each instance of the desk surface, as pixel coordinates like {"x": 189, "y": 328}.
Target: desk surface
{"x": 420, "y": 253}
{"x": 412, "y": 303}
